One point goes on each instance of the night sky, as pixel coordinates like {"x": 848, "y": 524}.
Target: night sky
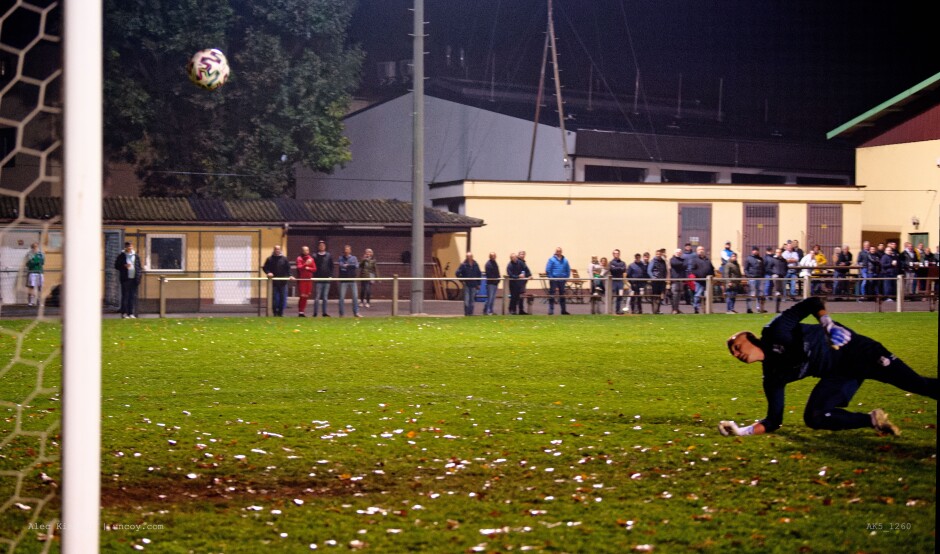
{"x": 812, "y": 63}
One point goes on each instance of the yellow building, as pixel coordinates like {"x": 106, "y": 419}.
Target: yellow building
{"x": 189, "y": 238}
{"x": 898, "y": 165}
{"x": 588, "y": 219}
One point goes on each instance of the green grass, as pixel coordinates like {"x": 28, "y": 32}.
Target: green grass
{"x": 580, "y": 434}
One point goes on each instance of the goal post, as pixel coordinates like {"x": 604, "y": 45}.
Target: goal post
{"x": 82, "y": 271}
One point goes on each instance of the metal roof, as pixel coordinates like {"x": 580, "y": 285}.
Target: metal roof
{"x": 715, "y": 151}
{"x": 888, "y": 109}
{"x": 211, "y": 211}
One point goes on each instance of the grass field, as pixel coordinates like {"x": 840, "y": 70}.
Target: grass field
{"x": 581, "y": 434}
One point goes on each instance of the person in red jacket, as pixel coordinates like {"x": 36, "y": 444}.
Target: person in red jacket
{"x": 305, "y": 268}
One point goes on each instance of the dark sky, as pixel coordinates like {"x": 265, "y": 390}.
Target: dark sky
{"x": 821, "y": 62}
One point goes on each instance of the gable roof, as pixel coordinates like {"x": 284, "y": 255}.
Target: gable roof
{"x": 891, "y": 112}
{"x": 780, "y": 156}
{"x": 212, "y": 211}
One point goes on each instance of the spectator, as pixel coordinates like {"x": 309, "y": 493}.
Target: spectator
{"x": 778, "y": 269}
{"x": 516, "y": 272}
{"x": 658, "y": 272}
{"x": 843, "y": 258}
{"x": 862, "y": 262}
{"x": 701, "y": 268}
{"x": 526, "y": 275}
{"x": 368, "y": 269}
{"x": 793, "y": 264}
{"x": 821, "y": 260}
{"x": 492, "y": 283}
{"x": 807, "y": 263}
{"x": 130, "y": 271}
{"x": 909, "y": 260}
{"x": 798, "y": 250}
{"x": 636, "y": 275}
{"x": 921, "y": 272}
{"x": 323, "y": 270}
{"x": 754, "y": 270}
{"x": 890, "y": 269}
{"x": 277, "y": 267}
{"x": 618, "y": 269}
{"x": 35, "y": 261}
{"x": 767, "y": 285}
{"x": 726, "y": 253}
{"x": 594, "y": 270}
{"x": 348, "y": 269}
{"x": 677, "y": 276}
{"x": 306, "y": 270}
{"x": 469, "y": 270}
{"x": 558, "y": 271}
{"x": 688, "y": 254}
{"x": 732, "y": 272}
{"x": 875, "y": 286}
{"x": 605, "y": 271}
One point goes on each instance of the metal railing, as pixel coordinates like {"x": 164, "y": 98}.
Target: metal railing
{"x": 892, "y": 294}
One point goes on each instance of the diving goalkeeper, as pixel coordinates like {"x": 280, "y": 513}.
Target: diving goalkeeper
{"x": 842, "y": 359}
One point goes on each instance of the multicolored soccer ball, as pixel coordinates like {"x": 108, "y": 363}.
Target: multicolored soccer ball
{"x": 208, "y": 68}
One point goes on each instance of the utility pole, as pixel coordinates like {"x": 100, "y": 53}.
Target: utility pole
{"x": 549, "y": 41}
{"x": 561, "y": 109}
{"x": 417, "y": 160}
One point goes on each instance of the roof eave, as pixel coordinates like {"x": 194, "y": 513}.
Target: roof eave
{"x": 866, "y": 119}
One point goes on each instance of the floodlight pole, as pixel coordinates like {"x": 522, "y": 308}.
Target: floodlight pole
{"x": 417, "y": 169}
{"x": 82, "y": 275}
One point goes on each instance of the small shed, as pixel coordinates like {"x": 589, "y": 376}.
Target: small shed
{"x": 198, "y": 237}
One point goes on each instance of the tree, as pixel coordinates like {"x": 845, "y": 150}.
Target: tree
{"x": 291, "y": 83}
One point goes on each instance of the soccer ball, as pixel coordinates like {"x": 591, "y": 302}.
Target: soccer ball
{"x": 208, "y": 68}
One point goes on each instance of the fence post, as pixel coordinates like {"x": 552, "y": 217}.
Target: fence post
{"x": 505, "y": 292}
{"x": 394, "y": 295}
{"x": 900, "y": 294}
{"x": 608, "y": 283}
{"x": 162, "y": 297}
{"x": 268, "y": 303}
{"x": 806, "y": 287}
{"x": 708, "y": 294}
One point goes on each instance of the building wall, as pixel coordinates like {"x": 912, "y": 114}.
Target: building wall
{"x": 461, "y": 142}
{"x": 901, "y": 182}
{"x": 199, "y": 258}
{"x": 593, "y": 220}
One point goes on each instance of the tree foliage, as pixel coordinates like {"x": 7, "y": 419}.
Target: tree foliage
{"x": 291, "y": 82}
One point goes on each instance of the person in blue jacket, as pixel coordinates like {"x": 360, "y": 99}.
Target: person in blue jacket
{"x": 842, "y": 359}
{"x": 558, "y": 271}
{"x": 469, "y": 270}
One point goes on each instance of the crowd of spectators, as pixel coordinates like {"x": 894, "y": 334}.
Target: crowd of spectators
{"x": 777, "y": 273}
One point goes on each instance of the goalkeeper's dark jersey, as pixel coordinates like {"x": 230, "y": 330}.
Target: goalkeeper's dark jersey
{"x": 792, "y": 351}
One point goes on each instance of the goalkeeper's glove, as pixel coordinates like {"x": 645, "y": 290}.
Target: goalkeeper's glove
{"x": 838, "y": 335}
{"x": 728, "y": 428}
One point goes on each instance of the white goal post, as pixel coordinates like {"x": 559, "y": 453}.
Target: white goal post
{"x": 82, "y": 261}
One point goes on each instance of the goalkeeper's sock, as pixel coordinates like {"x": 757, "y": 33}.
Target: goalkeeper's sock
{"x": 743, "y": 431}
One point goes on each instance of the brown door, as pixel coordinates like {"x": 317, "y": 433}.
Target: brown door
{"x": 824, "y": 227}
{"x": 695, "y": 225}
{"x": 761, "y": 225}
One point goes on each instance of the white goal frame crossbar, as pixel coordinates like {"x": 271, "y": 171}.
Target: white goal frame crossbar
{"x": 82, "y": 266}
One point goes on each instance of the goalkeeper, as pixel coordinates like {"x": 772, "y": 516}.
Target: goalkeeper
{"x": 790, "y": 350}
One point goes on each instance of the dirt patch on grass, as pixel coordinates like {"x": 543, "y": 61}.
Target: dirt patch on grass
{"x": 163, "y": 491}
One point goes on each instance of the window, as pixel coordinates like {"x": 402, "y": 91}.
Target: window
{"x": 686, "y": 176}
{"x": 821, "y": 181}
{"x": 165, "y": 252}
{"x": 757, "y": 179}
{"x": 613, "y": 174}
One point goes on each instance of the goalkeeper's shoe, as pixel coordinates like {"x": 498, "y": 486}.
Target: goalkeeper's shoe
{"x": 881, "y": 423}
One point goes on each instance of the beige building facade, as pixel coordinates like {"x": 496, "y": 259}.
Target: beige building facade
{"x": 588, "y": 219}
{"x": 901, "y": 184}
